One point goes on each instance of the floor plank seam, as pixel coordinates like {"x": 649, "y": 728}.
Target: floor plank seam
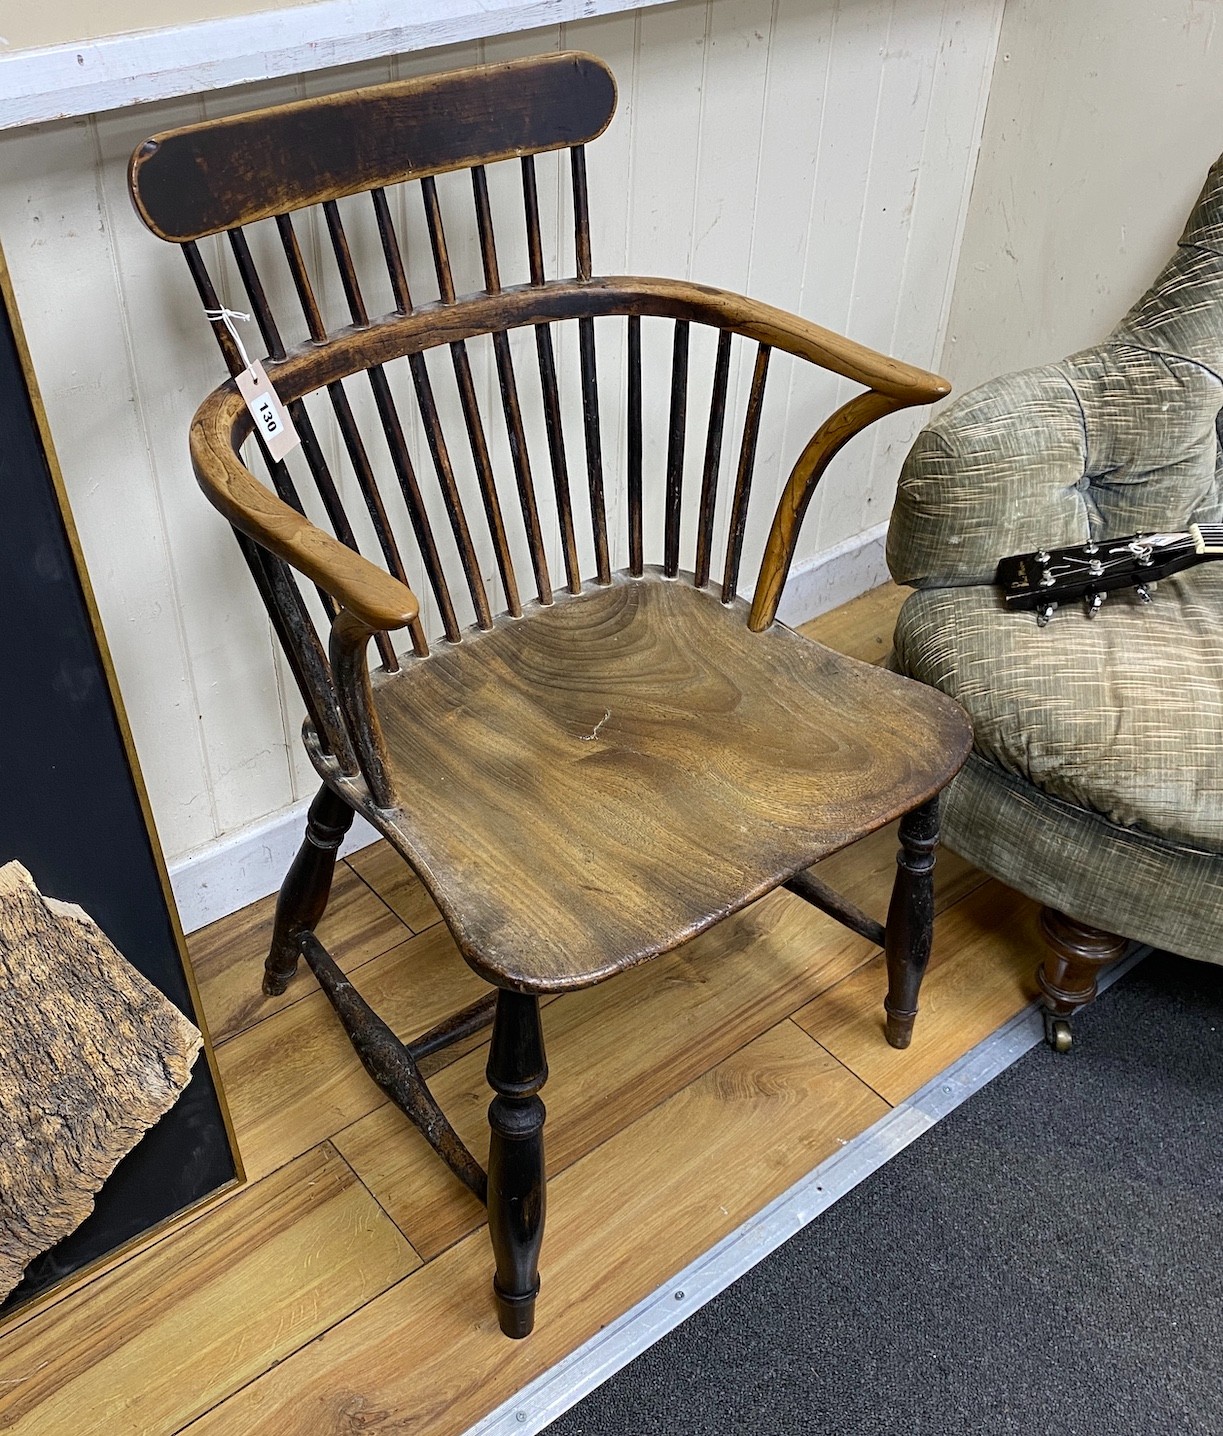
{"x": 857, "y": 1076}
{"x": 373, "y": 1196}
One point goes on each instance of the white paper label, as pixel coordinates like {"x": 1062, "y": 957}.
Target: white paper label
{"x": 270, "y": 415}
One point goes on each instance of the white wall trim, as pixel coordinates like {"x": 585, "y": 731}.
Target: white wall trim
{"x": 242, "y": 867}
{"x": 835, "y": 576}
{"x": 61, "y": 81}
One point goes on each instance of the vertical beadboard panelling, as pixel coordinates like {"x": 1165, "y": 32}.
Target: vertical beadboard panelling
{"x": 725, "y": 214}
{"x": 812, "y": 152}
{"x": 1103, "y": 118}
{"x": 851, "y": 106}
{"x": 670, "y": 98}
{"x": 850, "y": 501}
{"x": 935, "y": 216}
{"x": 793, "y": 173}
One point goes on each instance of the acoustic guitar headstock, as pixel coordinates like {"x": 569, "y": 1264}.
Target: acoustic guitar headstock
{"x": 1044, "y": 579}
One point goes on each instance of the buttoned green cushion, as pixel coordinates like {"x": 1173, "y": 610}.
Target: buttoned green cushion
{"x": 1117, "y": 438}
{"x": 1121, "y": 714}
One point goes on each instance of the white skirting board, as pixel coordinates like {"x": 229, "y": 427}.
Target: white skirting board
{"x": 242, "y": 867}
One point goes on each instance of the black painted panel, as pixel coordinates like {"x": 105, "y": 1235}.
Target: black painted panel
{"x": 72, "y": 816}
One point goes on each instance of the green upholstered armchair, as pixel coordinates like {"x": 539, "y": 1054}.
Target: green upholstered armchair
{"x": 1096, "y": 782}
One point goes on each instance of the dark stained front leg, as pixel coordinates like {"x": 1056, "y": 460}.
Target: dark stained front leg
{"x": 306, "y": 888}
{"x": 517, "y": 1070}
{"x": 910, "y": 923}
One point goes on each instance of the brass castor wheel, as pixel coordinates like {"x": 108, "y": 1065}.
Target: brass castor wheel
{"x": 1057, "y": 1033}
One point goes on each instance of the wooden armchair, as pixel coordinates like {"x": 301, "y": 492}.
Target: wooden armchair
{"x": 604, "y": 768}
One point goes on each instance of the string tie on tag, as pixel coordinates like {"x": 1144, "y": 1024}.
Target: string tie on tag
{"x": 227, "y": 317}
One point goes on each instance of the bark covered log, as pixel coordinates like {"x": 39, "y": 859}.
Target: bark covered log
{"x": 91, "y": 1056}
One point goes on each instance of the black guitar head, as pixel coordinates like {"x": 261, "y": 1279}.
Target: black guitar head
{"x": 1046, "y": 578}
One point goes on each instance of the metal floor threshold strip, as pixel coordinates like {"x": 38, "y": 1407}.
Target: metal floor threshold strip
{"x": 564, "y": 1385}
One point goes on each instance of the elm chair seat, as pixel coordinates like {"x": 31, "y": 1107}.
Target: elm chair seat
{"x": 596, "y": 783}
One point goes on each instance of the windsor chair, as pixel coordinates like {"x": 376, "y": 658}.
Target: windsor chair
{"x": 598, "y": 772}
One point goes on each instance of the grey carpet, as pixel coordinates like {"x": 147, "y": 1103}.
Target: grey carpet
{"x": 1046, "y": 1259}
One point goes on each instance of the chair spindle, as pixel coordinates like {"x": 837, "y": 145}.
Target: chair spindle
{"x": 530, "y": 204}
{"x": 590, "y": 377}
{"x": 253, "y": 285}
{"x": 471, "y": 409}
{"x": 713, "y": 459}
{"x": 301, "y": 278}
{"x": 581, "y": 211}
{"x": 393, "y": 428}
{"x": 401, "y": 461}
{"x": 351, "y": 434}
{"x": 547, "y": 379}
{"x": 343, "y": 259}
{"x": 743, "y": 477}
{"x": 484, "y": 227}
{"x": 594, "y": 447}
{"x": 391, "y": 253}
{"x": 437, "y": 239}
{"x": 312, "y": 450}
{"x": 636, "y": 553}
{"x": 467, "y": 398}
{"x": 676, "y": 434}
{"x": 510, "y": 402}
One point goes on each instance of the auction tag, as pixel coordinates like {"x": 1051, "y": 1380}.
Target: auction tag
{"x": 270, "y": 415}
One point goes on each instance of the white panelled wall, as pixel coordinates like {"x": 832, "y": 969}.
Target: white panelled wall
{"x": 817, "y": 154}
{"x": 1104, "y": 116}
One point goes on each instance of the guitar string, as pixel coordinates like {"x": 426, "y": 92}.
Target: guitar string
{"x": 1127, "y": 556}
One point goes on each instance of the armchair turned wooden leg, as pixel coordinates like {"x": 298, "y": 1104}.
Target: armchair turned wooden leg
{"x": 306, "y": 888}
{"x": 1067, "y": 977}
{"x": 517, "y": 1070}
{"x": 910, "y": 924}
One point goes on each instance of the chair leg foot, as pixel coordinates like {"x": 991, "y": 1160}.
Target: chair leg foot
{"x": 910, "y": 925}
{"x": 306, "y": 888}
{"x": 517, "y": 1201}
{"x": 1067, "y": 977}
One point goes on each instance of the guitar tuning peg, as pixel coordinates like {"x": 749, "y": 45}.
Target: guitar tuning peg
{"x": 1043, "y": 615}
{"x": 1094, "y": 602}
{"x": 1144, "y": 593}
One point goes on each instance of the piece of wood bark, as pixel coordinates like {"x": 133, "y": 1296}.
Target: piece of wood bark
{"x": 91, "y": 1055}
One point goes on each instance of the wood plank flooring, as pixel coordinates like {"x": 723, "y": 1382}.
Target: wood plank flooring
{"x": 346, "y": 1287}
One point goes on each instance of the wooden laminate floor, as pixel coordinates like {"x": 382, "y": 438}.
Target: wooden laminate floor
{"x": 345, "y": 1288}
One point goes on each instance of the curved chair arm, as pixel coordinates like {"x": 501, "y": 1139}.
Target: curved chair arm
{"x": 371, "y": 595}
{"x": 382, "y": 601}
{"x": 348, "y": 351}
{"x": 823, "y": 446}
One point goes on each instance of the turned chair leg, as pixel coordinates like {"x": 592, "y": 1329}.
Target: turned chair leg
{"x": 1067, "y": 977}
{"x": 517, "y": 1070}
{"x": 306, "y": 888}
{"x": 910, "y": 924}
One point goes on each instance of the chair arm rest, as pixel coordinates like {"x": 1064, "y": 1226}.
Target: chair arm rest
{"x": 783, "y": 330}
{"x": 221, "y": 423}
{"x": 311, "y": 366}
